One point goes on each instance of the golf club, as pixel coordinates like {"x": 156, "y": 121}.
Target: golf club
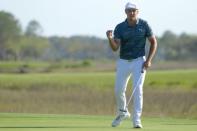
{"x": 134, "y": 89}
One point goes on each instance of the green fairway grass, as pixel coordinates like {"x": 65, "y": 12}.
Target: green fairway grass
{"x": 36, "y": 122}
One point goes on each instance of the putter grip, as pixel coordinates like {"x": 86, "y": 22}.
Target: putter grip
{"x": 143, "y": 70}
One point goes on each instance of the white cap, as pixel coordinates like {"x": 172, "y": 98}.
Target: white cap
{"x": 130, "y": 5}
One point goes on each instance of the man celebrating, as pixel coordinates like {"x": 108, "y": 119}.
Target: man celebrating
{"x": 130, "y": 36}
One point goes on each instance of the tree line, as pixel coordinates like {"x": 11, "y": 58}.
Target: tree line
{"x": 20, "y": 45}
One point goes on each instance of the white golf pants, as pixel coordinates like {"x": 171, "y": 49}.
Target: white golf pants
{"x": 126, "y": 68}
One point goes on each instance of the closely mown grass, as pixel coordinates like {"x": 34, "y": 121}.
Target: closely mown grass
{"x": 37, "y": 122}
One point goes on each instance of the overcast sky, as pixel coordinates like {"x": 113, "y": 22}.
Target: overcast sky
{"x": 94, "y": 17}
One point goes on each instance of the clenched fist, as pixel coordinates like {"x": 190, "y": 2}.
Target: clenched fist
{"x": 109, "y": 34}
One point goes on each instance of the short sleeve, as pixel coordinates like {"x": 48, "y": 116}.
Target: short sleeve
{"x": 117, "y": 32}
{"x": 149, "y": 31}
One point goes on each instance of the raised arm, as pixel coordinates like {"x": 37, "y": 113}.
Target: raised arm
{"x": 114, "y": 43}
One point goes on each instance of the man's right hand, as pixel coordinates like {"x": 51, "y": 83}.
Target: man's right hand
{"x": 114, "y": 43}
{"x": 109, "y": 34}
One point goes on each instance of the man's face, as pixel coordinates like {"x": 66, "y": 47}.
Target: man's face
{"x": 131, "y": 13}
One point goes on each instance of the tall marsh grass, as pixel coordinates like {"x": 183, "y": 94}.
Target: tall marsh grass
{"x": 167, "y": 93}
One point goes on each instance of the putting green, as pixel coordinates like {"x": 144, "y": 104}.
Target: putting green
{"x": 36, "y": 122}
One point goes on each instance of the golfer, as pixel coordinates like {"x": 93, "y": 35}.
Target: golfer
{"x": 130, "y": 36}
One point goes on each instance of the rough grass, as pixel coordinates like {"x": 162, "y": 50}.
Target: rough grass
{"x": 87, "y": 101}
{"x": 42, "y": 67}
{"x": 36, "y": 122}
{"x": 93, "y": 93}
{"x": 172, "y": 78}
{"x": 186, "y": 79}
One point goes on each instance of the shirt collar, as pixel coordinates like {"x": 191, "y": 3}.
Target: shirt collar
{"x": 127, "y": 24}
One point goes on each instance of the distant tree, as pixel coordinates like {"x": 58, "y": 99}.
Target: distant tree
{"x": 188, "y": 46}
{"x": 33, "y": 29}
{"x": 10, "y": 29}
{"x": 167, "y": 46}
{"x": 29, "y": 48}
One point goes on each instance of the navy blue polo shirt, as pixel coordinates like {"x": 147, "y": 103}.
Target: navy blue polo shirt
{"x": 132, "y": 38}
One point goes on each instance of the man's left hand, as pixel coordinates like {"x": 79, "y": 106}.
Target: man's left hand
{"x": 147, "y": 64}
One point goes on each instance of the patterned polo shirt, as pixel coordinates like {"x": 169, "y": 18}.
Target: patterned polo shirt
{"x": 132, "y": 38}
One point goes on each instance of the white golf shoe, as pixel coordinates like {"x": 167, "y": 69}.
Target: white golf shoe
{"x": 120, "y": 118}
{"x": 137, "y": 125}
